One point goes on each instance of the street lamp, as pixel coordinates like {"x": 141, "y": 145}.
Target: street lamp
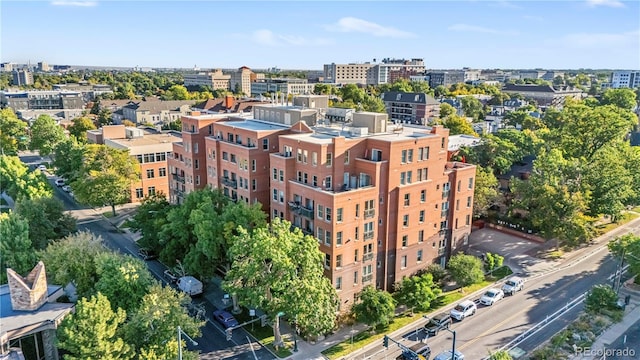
{"x": 453, "y": 346}
{"x": 180, "y": 333}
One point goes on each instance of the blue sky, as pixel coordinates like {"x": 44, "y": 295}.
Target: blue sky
{"x": 308, "y": 34}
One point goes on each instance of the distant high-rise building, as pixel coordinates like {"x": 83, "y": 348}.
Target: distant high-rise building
{"x": 43, "y": 66}
{"x": 372, "y": 74}
{"x": 22, "y": 77}
{"x": 625, "y": 79}
{"x": 241, "y": 80}
{"x": 6, "y": 67}
{"x": 216, "y": 80}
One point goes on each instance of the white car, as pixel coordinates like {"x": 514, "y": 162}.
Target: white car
{"x": 59, "y": 182}
{"x": 66, "y": 188}
{"x": 491, "y": 296}
{"x": 42, "y": 167}
{"x": 464, "y": 309}
{"x": 513, "y": 285}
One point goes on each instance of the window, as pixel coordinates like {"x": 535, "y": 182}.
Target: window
{"x": 442, "y": 143}
{"x": 403, "y": 157}
{"x": 470, "y": 183}
{"x": 468, "y": 201}
{"x": 339, "y": 215}
{"x": 339, "y": 283}
{"x": 403, "y": 178}
{"x": 281, "y": 175}
{"x": 339, "y": 238}
{"x": 355, "y": 255}
{"x": 421, "y": 219}
{"x": 407, "y": 201}
{"x": 265, "y": 144}
{"x": 403, "y": 261}
{"x": 253, "y": 165}
{"x": 467, "y": 220}
{"x": 456, "y": 224}
{"x": 356, "y": 232}
{"x": 327, "y": 214}
{"x": 327, "y": 238}
{"x": 275, "y": 174}
{"x": 150, "y": 174}
{"x": 197, "y": 179}
{"x": 281, "y": 196}
{"x": 329, "y": 159}
{"x": 304, "y": 156}
{"x": 410, "y": 155}
{"x": 357, "y": 210}
{"x": 139, "y": 193}
{"x": 225, "y": 156}
{"x": 314, "y": 158}
{"x": 151, "y": 190}
{"x": 420, "y": 236}
{"x": 405, "y": 220}
{"x": 320, "y": 211}
{"x": 233, "y": 158}
{"x": 459, "y": 185}
{"x": 275, "y": 195}
{"x": 196, "y": 163}
{"x": 320, "y": 234}
{"x": 409, "y": 173}
{"x": 355, "y": 277}
{"x": 327, "y": 260}
{"x": 195, "y": 148}
{"x": 254, "y": 184}
{"x": 327, "y": 182}
{"x": 346, "y": 157}
{"x": 314, "y": 181}
{"x": 419, "y": 256}
{"x": 423, "y": 195}
{"x": 405, "y": 240}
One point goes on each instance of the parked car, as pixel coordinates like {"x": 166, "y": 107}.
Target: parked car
{"x": 225, "y": 319}
{"x": 423, "y": 352}
{"x": 42, "y": 167}
{"x": 66, "y": 188}
{"x": 437, "y": 323}
{"x": 513, "y": 285}
{"x": 447, "y": 355}
{"x": 59, "y": 182}
{"x": 463, "y": 309}
{"x": 170, "y": 276}
{"x": 190, "y": 285}
{"x": 491, "y": 296}
{"x": 146, "y": 254}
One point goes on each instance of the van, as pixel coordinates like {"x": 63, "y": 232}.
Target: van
{"x": 513, "y": 285}
{"x": 190, "y": 285}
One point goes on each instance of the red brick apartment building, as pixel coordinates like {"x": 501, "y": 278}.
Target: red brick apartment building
{"x": 383, "y": 200}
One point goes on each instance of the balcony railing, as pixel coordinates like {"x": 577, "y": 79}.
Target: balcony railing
{"x": 443, "y": 231}
{"x": 369, "y": 213}
{"x": 368, "y": 235}
{"x": 178, "y": 178}
{"x": 442, "y": 251}
{"x": 367, "y": 257}
{"x": 445, "y": 194}
{"x": 444, "y": 213}
{"x": 301, "y": 210}
{"x": 367, "y": 278}
{"x": 230, "y": 182}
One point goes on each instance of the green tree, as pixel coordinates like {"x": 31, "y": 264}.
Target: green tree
{"x": 441, "y": 91}
{"x": 104, "y": 117}
{"x": 106, "y": 176}
{"x": 472, "y": 107}
{"x": 19, "y": 182}
{"x": 280, "y": 271}
{"x": 485, "y": 192}
{"x": 73, "y": 260}
{"x": 500, "y": 355}
{"x": 622, "y": 98}
{"x": 466, "y": 269}
{"x": 13, "y": 132}
{"x": 15, "y": 248}
{"x": 458, "y": 125}
{"x": 79, "y": 127}
{"x": 92, "y": 332}
{"x": 417, "y": 292}
{"x": 493, "y": 261}
{"x": 120, "y": 274}
{"x": 352, "y": 92}
{"x": 151, "y": 216}
{"x": 153, "y": 336}
{"x": 446, "y": 110}
{"x": 45, "y": 135}
{"x": 600, "y": 298}
{"x": 176, "y": 92}
{"x": 628, "y": 246}
{"x": 95, "y": 108}
{"x": 68, "y": 157}
{"x": 373, "y": 104}
{"x": 375, "y": 308}
{"x": 47, "y": 220}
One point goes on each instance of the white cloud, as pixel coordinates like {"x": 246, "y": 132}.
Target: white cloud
{"x": 269, "y": 38}
{"x": 351, "y": 24}
{"x": 75, "y": 3}
{"x": 610, "y": 3}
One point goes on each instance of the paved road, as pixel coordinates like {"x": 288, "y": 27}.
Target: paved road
{"x": 491, "y": 327}
{"x": 627, "y": 346}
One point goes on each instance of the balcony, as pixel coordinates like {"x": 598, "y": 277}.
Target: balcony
{"x": 367, "y": 257}
{"x": 293, "y": 205}
{"x": 368, "y": 235}
{"x": 443, "y": 231}
{"x": 444, "y": 213}
{"x": 445, "y": 194}
{"x": 367, "y": 278}
{"x": 369, "y": 213}
{"x": 442, "y": 251}
{"x": 301, "y": 210}
{"x": 178, "y": 178}
{"x": 230, "y": 182}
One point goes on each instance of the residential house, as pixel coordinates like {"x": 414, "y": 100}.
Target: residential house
{"x": 412, "y": 108}
{"x": 155, "y": 111}
{"x": 544, "y": 95}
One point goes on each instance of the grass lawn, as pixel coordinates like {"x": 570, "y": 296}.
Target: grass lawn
{"x": 265, "y": 334}
{"x": 636, "y": 209}
{"x": 367, "y": 337}
{"x": 624, "y": 218}
{"x": 108, "y": 214}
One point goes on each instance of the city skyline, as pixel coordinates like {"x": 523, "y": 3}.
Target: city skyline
{"x": 597, "y": 34}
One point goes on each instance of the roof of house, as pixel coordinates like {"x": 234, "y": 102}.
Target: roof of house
{"x": 414, "y": 98}
{"x": 524, "y": 166}
{"x": 529, "y": 88}
{"x": 218, "y": 105}
{"x": 158, "y": 105}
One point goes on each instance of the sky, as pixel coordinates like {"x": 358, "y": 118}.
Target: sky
{"x": 480, "y": 34}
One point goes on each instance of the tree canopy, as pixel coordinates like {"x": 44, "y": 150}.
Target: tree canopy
{"x": 376, "y": 307}
{"x": 13, "y": 133}
{"x": 45, "y": 135}
{"x": 466, "y": 269}
{"x": 47, "y": 220}
{"x": 15, "y": 247}
{"x": 417, "y": 292}
{"x": 79, "y": 127}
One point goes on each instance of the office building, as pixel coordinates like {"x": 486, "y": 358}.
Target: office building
{"x": 374, "y": 73}
{"x": 625, "y": 79}
{"x": 215, "y": 80}
{"x": 22, "y": 78}
{"x": 412, "y": 108}
{"x": 241, "y": 80}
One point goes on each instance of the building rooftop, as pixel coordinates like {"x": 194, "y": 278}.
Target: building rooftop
{"x": 325, "y": 134}
{"x": 457, "y": 141}
{"x": 255, "y": 125}
{"x": 12, "y": 320}
{"x": 148, "y": 139}
{"x": 414, "y": 98}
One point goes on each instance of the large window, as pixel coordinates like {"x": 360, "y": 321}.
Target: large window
{"x": 150, "y": 174}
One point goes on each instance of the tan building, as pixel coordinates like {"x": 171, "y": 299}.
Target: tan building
{"x": 150, "y": 148}
{"x": 241, "y": 80}
{"x": 216, "y": 80}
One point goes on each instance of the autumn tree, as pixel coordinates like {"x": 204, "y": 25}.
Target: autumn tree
{"x": 13, "y": 132}
{"x": 106, "y": 176}
{"x": 375, "y": 307}
{"x": 93, "y": 331}
{"x": 15, "y": 248}
{"x": 417, "y": 292}
{"x": 73, "y": 260}
{"x": 458, "y": 125}
{"x": 446, "y": 110}
{"x": 45, "y": 135}
{"x": 176, "y": 92}
{"x": 79, "y": 127}
{"x": 466, "y": 269}
{"x": 280, "y": 271}
{"x": 47, "y": 220}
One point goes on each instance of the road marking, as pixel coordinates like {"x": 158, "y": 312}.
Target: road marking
{"x": 88, "y": 221}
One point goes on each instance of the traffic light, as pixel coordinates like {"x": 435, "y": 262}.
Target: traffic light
{"x": 229, "y": 333}
{"x": 385, "y": 341}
